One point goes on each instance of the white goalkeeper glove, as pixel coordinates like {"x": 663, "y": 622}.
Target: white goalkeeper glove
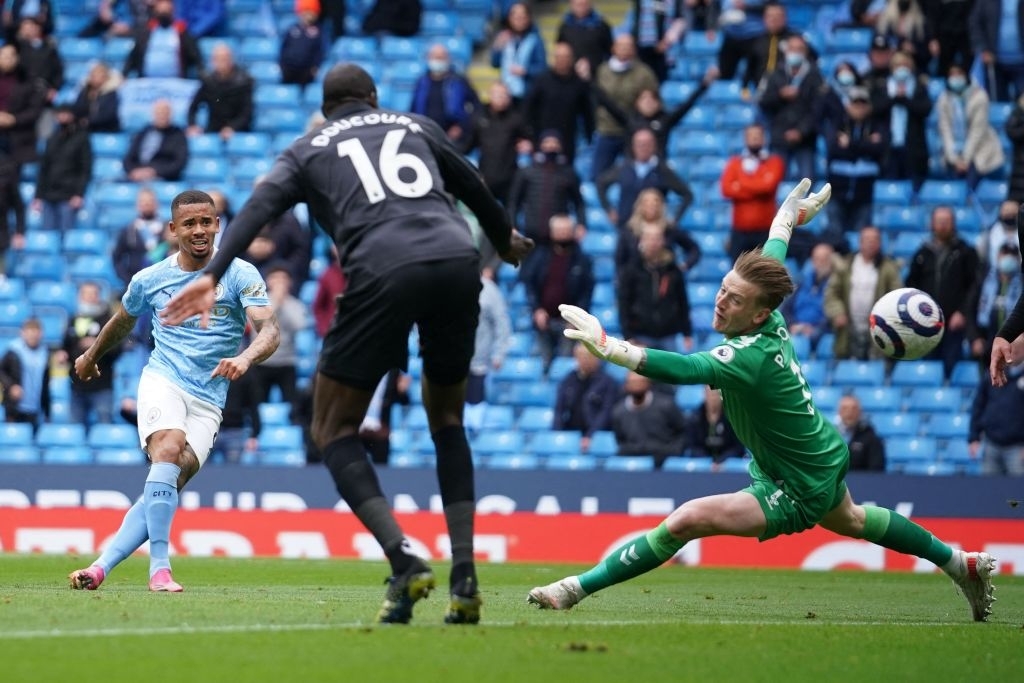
{"x": 588, "y": 330}
{"x": 798, "y": 209}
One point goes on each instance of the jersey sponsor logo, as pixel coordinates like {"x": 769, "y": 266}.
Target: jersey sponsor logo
{"x": 335, "y": 128}
{"x": 255, "y": 290}
{"x": 723, "y": 353}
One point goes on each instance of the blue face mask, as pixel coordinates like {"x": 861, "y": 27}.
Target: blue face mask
{"x": 845, "y": 78}
{"x": 1008, "y": 264}
{"x": 902, "y": 73}
{"x": 956, "y": 83}
{"x": 794, "y": 59}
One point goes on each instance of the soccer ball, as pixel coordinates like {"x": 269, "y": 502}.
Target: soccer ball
{"x": 906, "y": 324}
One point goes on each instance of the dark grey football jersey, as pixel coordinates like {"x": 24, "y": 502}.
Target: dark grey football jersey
{"x": 382, "y": 183}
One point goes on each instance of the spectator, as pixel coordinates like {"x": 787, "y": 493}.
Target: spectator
{"x": 880, "y": 54}
{"x": 741, "y": 25}
{"x": 656, "y": 28}
{"x": 998, "y": 292}
{"x": 40, "y": 10}
{"x": 767, "y": 51}
{"x": 970, "y": 145}
{"x": 644, "y": 169}
{"x": 857, "y": 282}
{"x": 649, "y": 111}
{"x": 587, "y": 33}
{"x": 750, "y": 180}
{"x": 493, "y": 336}
{"x": 164, "y": 47}
{"x": 585, "y": 398}
{"x": 40, "y": 57}
{"x": 444, "y": 95}
{"x": 25, "y": 376}
{"x": 329, "y": 287}
{"x": 557, "y": 272}
{"x": 226, "y": 90}
{"x": 159, "y": 151}
{"x": 1003, "y": 231}
{"x": 393, "y": 17}
{"x": 622, "y": 78}
{"x": 650, "y": 211}
{"x": 1015, "y": 133}
{"x": 282, "y": 242}
{"x": 648, "y": 422}
{"x": 518, "y": 52}
{"x": 837, "y": 90}
{"x": 790, "y": 101}
{"x": 91, "y": 402}
{"x": 560, "y": 100}
{"x": 547, "y": 187}
{"x": 653, "y": 305}
{"x": 996, "y": 37}
{"x": 951, "y": 38}
{"x": 302, "y": 47}
{"x": 708, "y": 432}
{"x": 867, "y": 451}
{"x": 501, "y": 134}
{"x": 65, "y": 170}
{"x": 375, "y": 431}
{"x": 807, "y": 316}
{"x": 904, "y": 106}
{"x": 903, "y": 23}
{"x": 240, "y": 424}
{"x": 947, "y": 268}
{"x": 280, "y": 369}
{"x": 204, "y": 18}
{"x": 856, "y": 149}
{"x": 998, "y": 441}
{"x": 117, "y": 18}
{"x": 21, "y": 104}
{"x": 96, "y": 105}
{"x": 137, "y": 242}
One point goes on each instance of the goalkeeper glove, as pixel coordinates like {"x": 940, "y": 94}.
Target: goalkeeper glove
{"x": 798, "y": 209}
{"x": 589, "y": 331}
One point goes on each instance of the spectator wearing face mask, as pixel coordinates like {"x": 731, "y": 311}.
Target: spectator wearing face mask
{"x": 547, "y": 187}
{"x": 444, "y": 95}
{"x": 971, "y": 148}
{"x": 997, "y": 295}
{"x": 164, "y": 47}
{"x": 750, "y": 180}
{"x": 904, "y": 105}
{"x": 1003, "y": 231}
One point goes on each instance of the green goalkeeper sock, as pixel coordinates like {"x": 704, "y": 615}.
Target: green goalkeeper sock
{"x": 894, "y": 531}
{"x": 636, "y": 557}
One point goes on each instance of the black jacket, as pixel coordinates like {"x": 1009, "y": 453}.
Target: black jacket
{"x": 496, "y": 134}
{"x": 951, "y": 281}
{"x": 170, "y": 159}
{"x": 653, "y": 300}
{"x": 799, "y": 113}
{"x": 1015, "y": 132}
{"x": 66, "y": 167}
{"x": 579, "y": 284}
{"x": 541, "y": 190}
{"x": 10, "y": 375}
{"x": 717, "y": 440}
{"x": 228, "y": 101}
{"x": 867, "y": 451}
{"x": 562, "y": 103}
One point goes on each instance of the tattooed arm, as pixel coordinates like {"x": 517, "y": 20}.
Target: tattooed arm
{"x": 112, "y": 334}
{"x": 268, "y": 336}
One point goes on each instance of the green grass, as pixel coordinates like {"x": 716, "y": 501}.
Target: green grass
{"x": 294, "y": 620}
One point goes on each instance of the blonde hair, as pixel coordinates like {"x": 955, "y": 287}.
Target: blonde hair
{"x": 769, "y": 275}
{"x": 636, "y": 221}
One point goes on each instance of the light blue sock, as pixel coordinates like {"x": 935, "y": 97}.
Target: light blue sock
{"x": 127, "y": 540}
{"x": 161, "y": 501}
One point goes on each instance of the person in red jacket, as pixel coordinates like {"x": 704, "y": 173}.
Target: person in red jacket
{"x": 330, "y": 284}
{"x": 751, "y": 179}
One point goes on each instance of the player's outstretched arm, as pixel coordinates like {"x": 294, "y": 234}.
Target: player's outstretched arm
{"x": 268, "y": 336}
{"x": 798, "y": 209}
{"x": 587, "y": 329}
{"x": 112, "y": 334}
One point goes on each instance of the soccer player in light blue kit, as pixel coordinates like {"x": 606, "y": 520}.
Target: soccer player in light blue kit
{"x": 184, "y": 385}
{"x": 800, "y": 460}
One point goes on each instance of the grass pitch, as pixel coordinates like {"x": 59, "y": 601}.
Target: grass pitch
{"x": 294, "y": 620}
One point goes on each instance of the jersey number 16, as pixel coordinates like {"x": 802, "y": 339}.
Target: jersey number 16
{"x": 390, "y": 162}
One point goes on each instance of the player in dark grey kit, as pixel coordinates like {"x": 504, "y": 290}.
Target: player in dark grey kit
{"x": 381, "y": 182}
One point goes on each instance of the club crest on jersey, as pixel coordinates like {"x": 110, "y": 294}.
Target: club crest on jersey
{"x": 218, "y": 291}
{"x": 153, "y": 415}
{"x": 723, "y": 353}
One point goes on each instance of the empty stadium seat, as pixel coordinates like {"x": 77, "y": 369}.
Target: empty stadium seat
{"x": 14, "y": 313}
{"x": 943, "y": 192}
{"x": 280, "y": 437}
{"x": 890, "y": 424}
{"x": 257, "y": 48}
{"x": 278, "y": 95}
{"x": 53, "y": 294}
{"x": 879, "y": 399}
{"x": 966, "y": 375}
{"x": 354, "y": 48}
{"x": 941, "y": 400}
{"x": 630, "y": 463}
{"x": 15, "y": 434}
{"x": 113, "y": 436}
{"x": 406, "y": 460}
{"x": 394, "y": 48}
{"x": 119, "y": 456}
{"x": 826, "y": 398}
{"x": 892, "y": 192}
{"x": 513, "y": 461}
{"x": 903, "y": 450}
{"x": 249, "y": 145}
{"x": 19, "y": 455}
{"x": 688, "y": 464}
{"x": 281, "y": 120}
{"x": 67, "y": 456}
{"x": 282, "y": 457}
{"x": 41, "y": 242}
{"x": 278, "y": 413}
{"x": 11, "y": 289}
{"x": 68, "y": 436}
{"x": 535, "y": 418}
{"x": 519, "y": 370}
{"x": 555, "y": 442}
{"x": 571, "y": 462}
{"x": 918, "y": 373}
{"x": 931, "y": 469}
{"x": 494, "y": 442}
{"x": 112, "y": 145}
{"x": 858, "y": 373}
{"x": 86, "y": 241}
{"x": 952, "y": 427}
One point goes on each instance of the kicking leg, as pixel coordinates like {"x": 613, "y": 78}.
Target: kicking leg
{"x": 971, "y": 572}
{"x": 732, "y": 514}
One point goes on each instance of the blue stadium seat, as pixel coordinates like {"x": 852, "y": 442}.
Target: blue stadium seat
{"x": 86, "y": 241}
{"x": 11, "y": 289}
{"x": 930, "y": 469}
{"x": 966, "y": 375}
{"x": 941, "y": 400}
{"x": 675, "y": 91}
{"x": 706, "y": 168}
{"x": 67, "y": 436}
{"x": 689, "y": 396}
{"x": 54, "y": 322}
{"x": 519, "y": 370}
{"x": 724, "y": 92}
{"x": 552, "y": 442}
{"x": 206, "y": 145}
{"x": 688, "y": 464}
{"x": 42, "y": 242}
{"x": 15, "y": 434}
{"x": 494, "y": 442}
{"x": 710, "y": 270}
{"x": 879, "y": 399}
{"x": 712, "y": 244}
{"x": 815, "y": 372}
{"x": 698, "y": 44}
{"x": 801, "y": 347}
{"x": 958, "y": 454}
{"x": 91, "y": 268}
{"x": 437, "y": 23}
{"x": 991, "y": 191}
{"x": 415, "y": 418}
{"x": 279, "y": 95}
{"x": 394, "y": 48}
{"x": 275, "y": 413}
{"x": 206, "y": 169}
{"x": 119, "y": 456}
{"x": 535, "y": 418}
{"x": 354, "y": 48}
{"x": 245, "y": 171}
{"x": 112, "y": 145}
{"x": 902, "y": 450}
{"x": 890, "y": 424}
{"x": 250, "y": 145}
{"x": 14, "y": 313}
{"x": 498, "y": 417}
{"x": 892, "y": 192}
{"x": 852, "y": 39}
{"x": 852, "y": 373}
{"x": 408, "y": 461}
{"x": 918, "y": 373}
{"x": 54, "y": 294}
{"x": 571, "y": 462}
{"x": 736, "y": 116}
{"x": 701, "y": 293}
{"x": 115, "y": 50}
{"x": 257, "y": 48}
{"x": 630, "y": 463}
{"x": 107, "y": 169}
{"x": 280, "y": 437}
{"x": 525, "y": 394}
{"x": 599, "y": 243}
{"x": 701, "y": 117}
{"x": 67, "y": 455}
{"x": 265, "y": 71}
{"x": 79, "y": 49}
{"x": 826, "y": 398}
{"x": 281, "y": 120}
{"x": 513, "y": 461}
{"x": 19, "y": 455}
{"x": 692, "y": 143}
{"x": 952, "y": 192}
{"x": 952, "y": 427}
{"x": 283, "y": 457}
{"x": 113, "y": 436}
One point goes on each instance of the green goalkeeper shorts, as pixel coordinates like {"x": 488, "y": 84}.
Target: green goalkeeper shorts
{"x": 787, "y": 515}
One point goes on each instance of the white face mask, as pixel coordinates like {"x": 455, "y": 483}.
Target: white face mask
{"x": 617, "y": 65}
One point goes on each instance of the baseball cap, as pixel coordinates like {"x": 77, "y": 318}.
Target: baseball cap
{"x": 880, "y": 42}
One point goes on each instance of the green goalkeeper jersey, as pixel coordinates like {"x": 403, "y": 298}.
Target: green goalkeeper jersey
{"x": 767, "y": 401}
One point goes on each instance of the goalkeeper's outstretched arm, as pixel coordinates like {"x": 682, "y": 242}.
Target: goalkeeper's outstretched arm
{"x": 797, "y": 209}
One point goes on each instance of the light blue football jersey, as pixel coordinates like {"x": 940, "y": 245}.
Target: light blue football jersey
{"x": 186, "y": 354}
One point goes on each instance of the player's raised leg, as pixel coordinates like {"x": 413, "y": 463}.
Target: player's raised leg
{"x": 339, "y": 410}
{"x": 970, "y": 571}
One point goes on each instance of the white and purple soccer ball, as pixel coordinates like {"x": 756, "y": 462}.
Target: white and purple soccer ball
{"x": 906, "y": 324}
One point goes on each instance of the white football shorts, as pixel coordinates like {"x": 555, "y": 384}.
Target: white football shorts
{"x": 164, "y": 405}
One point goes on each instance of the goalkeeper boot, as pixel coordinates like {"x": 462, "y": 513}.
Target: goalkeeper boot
{"x": 403, "y": 591}
{"x": 88, "y": 579}
{"x": 464, "y": 607}
{"x": 161, "y": 582}
{"x": 558, "y": 595}
{"x": 973, "y": 577}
